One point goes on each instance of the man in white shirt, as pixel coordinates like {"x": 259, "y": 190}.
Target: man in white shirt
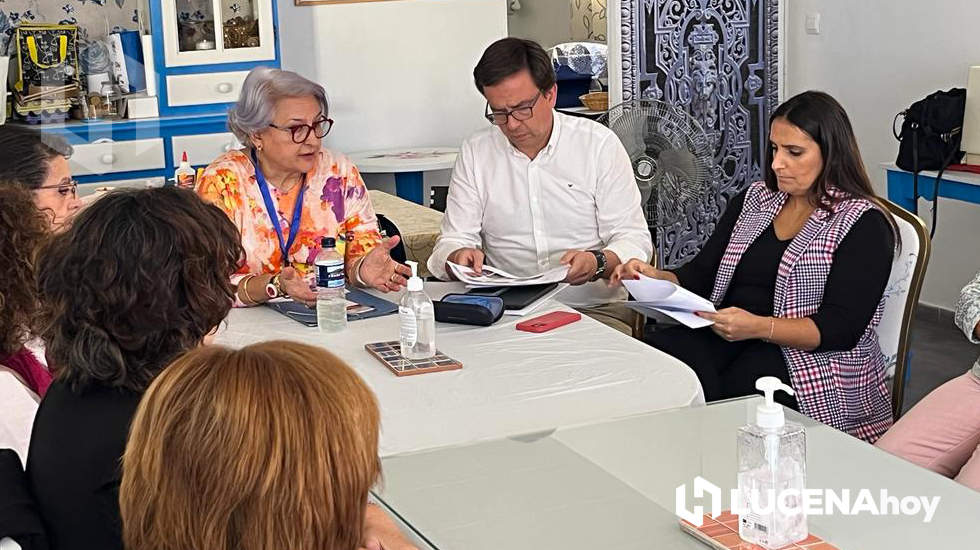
{"x": 540, "y": 188}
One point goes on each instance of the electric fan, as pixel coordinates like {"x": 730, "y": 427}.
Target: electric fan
{"x": 672, "y": 161}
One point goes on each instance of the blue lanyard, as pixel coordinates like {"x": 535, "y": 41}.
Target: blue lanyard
{"x": 284, "y": 246}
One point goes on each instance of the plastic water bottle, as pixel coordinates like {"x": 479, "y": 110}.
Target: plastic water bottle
{"x": 417, "y": 320}
{"x": 331, "y": 302}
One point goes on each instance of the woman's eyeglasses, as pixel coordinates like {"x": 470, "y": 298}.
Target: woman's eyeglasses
{"x": 301, "y": 132}
{"x": 64, "y": 189}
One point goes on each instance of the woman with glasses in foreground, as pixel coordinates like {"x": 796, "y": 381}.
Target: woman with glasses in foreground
{"x": 39, "y": 163}
{"x": 285, "y": 192}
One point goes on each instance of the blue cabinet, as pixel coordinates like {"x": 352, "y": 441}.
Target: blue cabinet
{"x": 201, "y": 60}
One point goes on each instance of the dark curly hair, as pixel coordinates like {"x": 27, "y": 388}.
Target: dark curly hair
{"x": 23, "y": 229}
{"x": 139, "y": 278}
{"x": 25, "y": 154}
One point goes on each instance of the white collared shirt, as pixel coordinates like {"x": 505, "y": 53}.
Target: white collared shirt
{"x": 578, "y": 193}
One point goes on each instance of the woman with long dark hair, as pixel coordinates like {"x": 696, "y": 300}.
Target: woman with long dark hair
{"x": 796, "y": 267}
{"x": 23, "y": 377}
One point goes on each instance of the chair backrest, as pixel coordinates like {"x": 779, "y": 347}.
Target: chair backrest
{"x": 389, "y": 229}
{"x": 438, "y": 194}
{"x": 901, "y": 297}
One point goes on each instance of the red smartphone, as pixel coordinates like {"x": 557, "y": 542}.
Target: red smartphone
{"x": 548, "y": 321}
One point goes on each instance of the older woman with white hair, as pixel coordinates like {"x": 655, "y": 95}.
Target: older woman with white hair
{"x": 285, "y": 192}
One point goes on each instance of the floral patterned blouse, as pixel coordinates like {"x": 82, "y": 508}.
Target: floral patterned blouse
{"x": 335, "y": 204}
{"x": 968, "y": 314}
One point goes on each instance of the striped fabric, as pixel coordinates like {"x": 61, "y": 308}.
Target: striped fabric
{"x": 845, "y": 390}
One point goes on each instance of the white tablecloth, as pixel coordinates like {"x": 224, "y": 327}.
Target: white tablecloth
{"x": 511, "y": 383}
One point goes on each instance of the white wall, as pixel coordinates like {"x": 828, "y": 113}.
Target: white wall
{"x": 398, "y": 73}
{"x": 877, "y": 57}
{"x": 547, "y": 22}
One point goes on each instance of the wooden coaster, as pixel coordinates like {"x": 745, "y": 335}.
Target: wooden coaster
{"x": 389, "y": 353}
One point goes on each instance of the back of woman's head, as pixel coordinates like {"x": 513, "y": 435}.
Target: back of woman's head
{"x": 25, "y": 154}
{"x": 139, "y": 278}
{"x": 22, "y": 230}
{"x": 822, "y": 118}
{"x": 271, "y": 446}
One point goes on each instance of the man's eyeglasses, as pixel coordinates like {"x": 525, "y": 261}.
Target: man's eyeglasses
{"x": 64, "y": 189}
{"x": 301, "y": 132}
{"x": 499, "y": 118}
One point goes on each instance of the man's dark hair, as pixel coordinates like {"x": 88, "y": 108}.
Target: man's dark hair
{"x": 508, "y": 56}
{"x": 25, "y": 154}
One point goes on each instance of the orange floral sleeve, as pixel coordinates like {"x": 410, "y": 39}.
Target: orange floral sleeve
{"x": 361, "y": 223}
{"x": 220, "y": 185}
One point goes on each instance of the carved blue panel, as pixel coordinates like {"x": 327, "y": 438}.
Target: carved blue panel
{"x": 717, "y": 60}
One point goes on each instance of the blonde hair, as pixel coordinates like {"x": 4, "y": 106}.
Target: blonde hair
{"x": 271, "y": 446}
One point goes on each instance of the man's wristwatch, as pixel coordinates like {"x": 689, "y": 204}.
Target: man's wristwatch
{"x": 273, "y": 289}
{"x": 600, "y": 259}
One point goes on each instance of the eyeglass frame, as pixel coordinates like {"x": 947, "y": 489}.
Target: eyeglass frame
{"x": 489, "y": 113}
{"x": 72, "y": 188}
{"x": 309, "y": 128}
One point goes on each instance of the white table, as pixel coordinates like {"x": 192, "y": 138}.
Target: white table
{"x": 512, "y": 382}
{"x": 407, "y": 164}
{"x": 613, "y": 485}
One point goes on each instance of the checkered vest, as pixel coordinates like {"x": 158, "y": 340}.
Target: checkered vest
{"x": 843, "y": 389}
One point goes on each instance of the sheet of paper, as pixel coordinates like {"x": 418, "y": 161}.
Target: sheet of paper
{"x": 492, "y": 276}
{"x": 656, "y": 292}
{"x": 670, "y": 299}
{"x": 685, "y": 318}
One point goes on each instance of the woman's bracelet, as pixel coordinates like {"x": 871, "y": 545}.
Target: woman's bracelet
{"x": 772, "y": 327}
{"x": 243, "y": 286}
{"x": 357, "y": 273}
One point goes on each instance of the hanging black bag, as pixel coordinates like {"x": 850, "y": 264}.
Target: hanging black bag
{"x": 930, "y": 137}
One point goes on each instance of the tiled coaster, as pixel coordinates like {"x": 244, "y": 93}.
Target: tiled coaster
{"x": 389, "y": 353}
{"x": 721, "y": 533}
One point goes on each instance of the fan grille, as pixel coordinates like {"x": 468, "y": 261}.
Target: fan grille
{"x": 670, "y": 154}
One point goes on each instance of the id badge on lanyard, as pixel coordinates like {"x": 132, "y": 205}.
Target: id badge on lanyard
{"x": 287, "y": 243}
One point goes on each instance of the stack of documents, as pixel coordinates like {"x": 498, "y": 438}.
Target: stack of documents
{"x": 493, "y": 276}
{"x": 667, "y": 298}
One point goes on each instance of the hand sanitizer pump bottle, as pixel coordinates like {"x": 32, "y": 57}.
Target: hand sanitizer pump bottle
{"x": 417, "y": 320}
{"x": 771, "y": 474}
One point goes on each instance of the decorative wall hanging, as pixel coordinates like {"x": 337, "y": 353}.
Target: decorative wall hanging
{"x": 717, "y": 60}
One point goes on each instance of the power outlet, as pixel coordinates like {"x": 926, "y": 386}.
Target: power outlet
{"x": 813, "y": 23}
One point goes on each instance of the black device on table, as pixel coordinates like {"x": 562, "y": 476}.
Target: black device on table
{"x": 516, "y": 297}
{"x": 469, "y": 309}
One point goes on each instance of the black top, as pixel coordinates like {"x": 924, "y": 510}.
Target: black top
{"x": 857, "y": 278}
{"x": 74, "y": 464}
{"x": 753, "y": 285}
{"x": 18, "y": 514}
